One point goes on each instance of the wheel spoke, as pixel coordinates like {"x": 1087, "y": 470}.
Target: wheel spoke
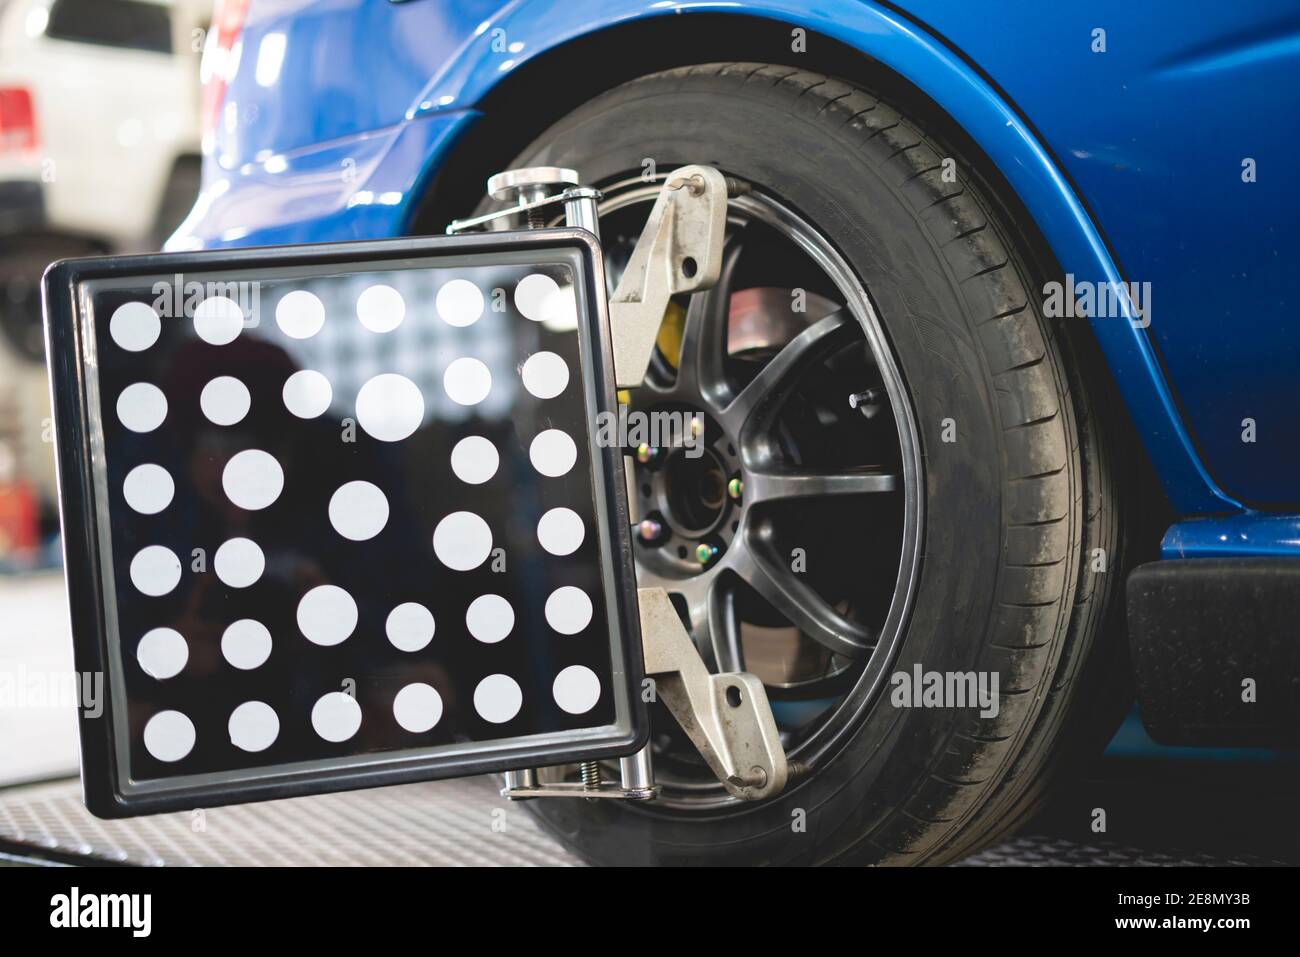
{"x": 724, "y": 627}
{"x": 773, "y": 485}
{"x": 756, "y": 406}
{"x": 787, "y": 592}
{"x": 701, "y": 368}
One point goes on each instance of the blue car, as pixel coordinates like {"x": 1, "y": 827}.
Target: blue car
{"x": 1015, "y": 285}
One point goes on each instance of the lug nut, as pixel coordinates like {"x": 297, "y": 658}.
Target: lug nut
{"x": 697, "y": 426}
{"x": 735, "y": 487}
{"x": 649, "y": 529}
{"x": 645, "y": 454}
{"x": 705, "y": 553}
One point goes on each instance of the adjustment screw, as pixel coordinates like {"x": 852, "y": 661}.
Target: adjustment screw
{"x": 649, "y": 529}
{"x": 735, "y": 487}
{"x": 705, "y": 553}
{"x": 645, "y": 454}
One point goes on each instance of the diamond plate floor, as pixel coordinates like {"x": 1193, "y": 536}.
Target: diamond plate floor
{"x": 447, "y": 823}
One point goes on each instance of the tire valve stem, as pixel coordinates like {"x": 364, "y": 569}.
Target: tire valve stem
{"x": 867, "y": 402}
{"x": 735, "y": 488}
{"x": 645, "y": 454}
{"x": 705, "y": 553}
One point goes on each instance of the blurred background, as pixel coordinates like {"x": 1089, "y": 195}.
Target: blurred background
{"x": 99, "y": 153}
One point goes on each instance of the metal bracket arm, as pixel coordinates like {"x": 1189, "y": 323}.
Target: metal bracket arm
{"x": 680, "y": 250}
{"x": 726, "y": 716}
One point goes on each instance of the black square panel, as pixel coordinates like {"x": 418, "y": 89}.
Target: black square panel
{"x": 335, "y": 516}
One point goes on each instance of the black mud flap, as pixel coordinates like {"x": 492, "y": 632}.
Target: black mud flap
{"x": 1216, "y": 650}
{"x": 336, "y": 517}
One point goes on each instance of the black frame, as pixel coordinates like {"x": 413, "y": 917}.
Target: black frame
{"x": 105, "y": 793}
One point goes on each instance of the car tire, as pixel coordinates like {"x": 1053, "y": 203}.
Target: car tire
{"x": 1021, "y": 543}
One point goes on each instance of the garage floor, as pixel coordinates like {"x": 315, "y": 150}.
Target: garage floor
{"x": 443, "y": 823}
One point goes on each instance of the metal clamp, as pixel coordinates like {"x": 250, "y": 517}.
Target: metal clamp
{"x": 529, "y": 190}
{"x": 680, "y": 250}
{"x": 727, "y": 717}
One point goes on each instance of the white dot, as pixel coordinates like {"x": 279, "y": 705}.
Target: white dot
{"x": 381, "y": 309}
{"x": 497, "y": 698}
{"x": 253, "y": 726}
{"x": 462, "y": 541}
{"x": 307, "y": 394}
{"x": 417, "y": 707}
{"x": 553, "y": 453}
{"x": 169, "y": 736}
{"x": 336, "y": 716}
{"x": 134, "y": 326}
{"x": 545, "y": 375}
{"x": 459, "y": 303}
{"x": 541, "y": 299}
{"x": 246, "y": 644}
{"x": 327, "y": 615}
{"x": 390, "y": 407}
{"x": 162, "y": 653}
{"x": 358, "y": 510}
{"x": 142, "y": 407}
{"x": 560, "y": 531}
{"x": 300, "y": 314}
{"x": 489, "y": 618}
{"x": 218, "y": 320}
{"x": 225, "y": 400}
{"x": 409, "y": 626}
{"x": 474, "y": 460}
{"x": 155, "y": 570}
{"x": 568, "y": 610}
{"x": 239, "y": 562}
{"x": 576, "y": 689}
{"x": 467, "y": 381}
{"x": 252, "y": 479}
{"x": 148, "y": 489}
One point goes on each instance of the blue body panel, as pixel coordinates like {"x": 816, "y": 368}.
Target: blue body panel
{"x": 1129, "y": 161}
{"x": 1234, "y": 536}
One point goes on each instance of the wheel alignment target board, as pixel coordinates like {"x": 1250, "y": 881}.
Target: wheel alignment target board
{"x": 335, "y": 516}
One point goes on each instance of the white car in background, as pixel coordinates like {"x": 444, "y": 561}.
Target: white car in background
{"x": 99, "y": 153}
{"x": 99, "y": 135}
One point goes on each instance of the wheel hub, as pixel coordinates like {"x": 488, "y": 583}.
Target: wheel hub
{"x": 690, "y": 497}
